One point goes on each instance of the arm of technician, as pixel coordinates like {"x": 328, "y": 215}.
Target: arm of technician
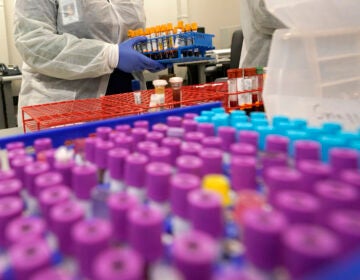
{"x": 65, "y": 56}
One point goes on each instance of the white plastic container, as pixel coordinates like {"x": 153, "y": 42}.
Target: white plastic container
{"x": 314, "y": 66}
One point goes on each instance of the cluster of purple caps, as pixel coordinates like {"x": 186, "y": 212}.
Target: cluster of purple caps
{"x": 314, "y": 218}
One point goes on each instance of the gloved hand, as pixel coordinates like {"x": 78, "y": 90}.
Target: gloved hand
{"x": 131, "y": 60}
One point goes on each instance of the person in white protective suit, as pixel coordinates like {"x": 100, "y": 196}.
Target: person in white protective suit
{"x": 258, "y": 26}
{"x": 72, "y": 48}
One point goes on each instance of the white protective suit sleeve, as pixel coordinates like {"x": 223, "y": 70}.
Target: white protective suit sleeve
{"x": 258, "y": 25}
{"x": 59, "y": 54}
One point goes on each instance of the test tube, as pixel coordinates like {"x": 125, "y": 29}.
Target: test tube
{"x": 232, "y": 88}
{"x": 190, "y": 148}
{"x": 159, "y": 86}
{"x": 342, "y": 159}
{"x": 243, "y": 173}
{"x": 174, "y": 144}
{"x": 116, "y": 167}
{"x": 176, "y": 84}
{"x": 31, "y": 171}
{"x": 118, "y": 263}
{"x": 174, "y": 121}
{"x": 313, "y": 171}
{"x": 11, "y": 187}
{"x": 120, "y": 205}
{"x": 53, "y": 274}
{"x": 195, "y": 255}
{"x": 189, "y": 164}
{"x": 181, "y": 185}
{"x": 42, "y": 144}
{"x": 212, "y": 161}
{"x": 47, "y": 180}
{"x": 352, "y": 177}
{"x": 277, "y": 144}
{"x": 194, "y": 137}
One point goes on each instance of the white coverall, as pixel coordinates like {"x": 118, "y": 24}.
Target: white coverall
{"x": 69, "y": 47}
{"x": 258, "y": 25}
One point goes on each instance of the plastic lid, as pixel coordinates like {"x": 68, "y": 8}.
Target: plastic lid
{"x": 176, "y": 80}
{"x": 159, "y": 83}
{"x": 231, "y": 73}
{"x": 135, "y": 85}
{"x": 249, "y": 71}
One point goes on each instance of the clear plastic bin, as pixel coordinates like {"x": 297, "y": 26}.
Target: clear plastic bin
{"x": 314, "y": 67}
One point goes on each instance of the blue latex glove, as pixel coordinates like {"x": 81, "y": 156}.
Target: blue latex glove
{"x": 131, "y": 60}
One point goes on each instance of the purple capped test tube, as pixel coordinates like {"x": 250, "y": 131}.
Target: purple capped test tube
{"x": 228, "y": 137}
{"x": 119, "y": 206}
{"x": 195, "y": 255}
{"x": 134, "y": 180}
{"x": 189, "y": 164}
{"x": 155, "y": 136}
{"x": 31, "y": 171}
{"x": 313, "y": 171}
{"x": 49, "y": 157}
{"x": 161, "y": 154}
{"x": 84, "y": 179}
{"x": 298, "y": 206}
{"x": 7, "y": 174}
{"x": 125, "y": 142}
{"x": 116, "y": 167}
{"x": 90, "y": 238}
{"x": 52, "y": 196}
{"x": 269, "y": 160}
{"x": 28, "y": 258}
{"x": 103, "y": 132}
{"x": 115, "y": 134}
{"x": 125, "y": 128}
{"x": 15, "y": 154}
{"x": 189, "y": 125}
{"x": 53, "y": 274}
{"x": 174, "y": 121}
{"x": 62, "y": 218}
{"x": 101, "y": 153}
{"x": 195, "y": 136}
{"x": 212, "y": 142}
{"x": 262, "y": 237}
{"x": 277, "y": 144}
{"x": 352, "y": 177}
{"x": 144, "y": 147}
{"x": 242, "y": 149}
{"x": 174, "y": 144}
{"x": 282, "y": 178}
{"x": 25, "y": 229}
{"x": 157, "y": 183}
{"x": 10, "y": 208}
{"x": 120, "y": 264}
{"x": 145, "y": 229}
{"x": 307, "y": 248}
{"x": 42, "y": 144}
{"x": 336, "y": 195}
{"x": 205, "y": 212}
{"x": 15, "y": 145}
{"x": 142, "y": 124}
{"x": 346, "y": 224}
{"x": 190, "y": 148}
{"x": 18, "y": 165}
{"x": 65, "y": 169}
{"x": 11, "y": 187}
{"x": 249, "y": 137}
{"x": 212, "y": 161}
{"x": 139, "y": 134}
{"x": 243, "y": 173}
{"x": 306, "y": 150}
{"x": 342, "y": 159}
{"x": 160, "y": 127}
{"x": 190, "y": 116}
{"x": 90, "y": 143}
{"x": 207, "y": 129}
{"x": 47, "y": 180}
{"x": 181, "y": 185}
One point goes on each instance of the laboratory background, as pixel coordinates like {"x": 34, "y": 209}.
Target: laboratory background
{"x": 234, "y": 154}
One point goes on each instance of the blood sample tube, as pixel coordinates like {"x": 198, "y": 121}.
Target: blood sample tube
{"x": 307, "y": 248}
{"x": 126, "y": 128}
{"x": 174, "y": 121}
{"x": 118, "y": 263}
{"x": 90, "y": 238}
{"x": 208, "y": 129}
{"x": 154, "y": 136}
{"x": 343, "y": 158}
{"x": 62, "y": 218}
{"x": 53, "y": 274}
{"x": 10, "y": 208}
{"x": 195, "y": 255}
{"x": 243, "y": 173}
{"x": 157, "y": 184}
{"x": 190, "y": 149}
{"x": 27, "y": 258}
{"x": 144, "y": 147}
{"x": 352, "y": 177}
{"x": 181, "y": 185}
{"x": 42, "y": 144}
{"x": 135, "y": 165}
{"x": 249, "y": 137}
{"x": 103, "y": 132}
{"x": 47, "y": 180}
{"x": 125, "y": 142}
{"x": 194, "y": 137}
{"x": 161, "y": 154}
{"x": 31, "y": 171}
{"x": 142, "y": 124}
{"x": 119, "y": 206}
{"x": 263, "y": 238}
{"x": 189, "y": 164}
{"x": 7, "y": 174}
{"x": 277, "y": 144}
{"x": 145, "y": 229}
{"x": 174, "y": 144}
{"x": 298, "y": 207}
{"x": 313, "y": 171}
{"x": 205, "y": 212}
{"x": 116, "y": 167}
{"x": 11, "y": 187}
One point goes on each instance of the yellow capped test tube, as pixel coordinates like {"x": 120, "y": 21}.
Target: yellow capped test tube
{"x": 220, "y": 185}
